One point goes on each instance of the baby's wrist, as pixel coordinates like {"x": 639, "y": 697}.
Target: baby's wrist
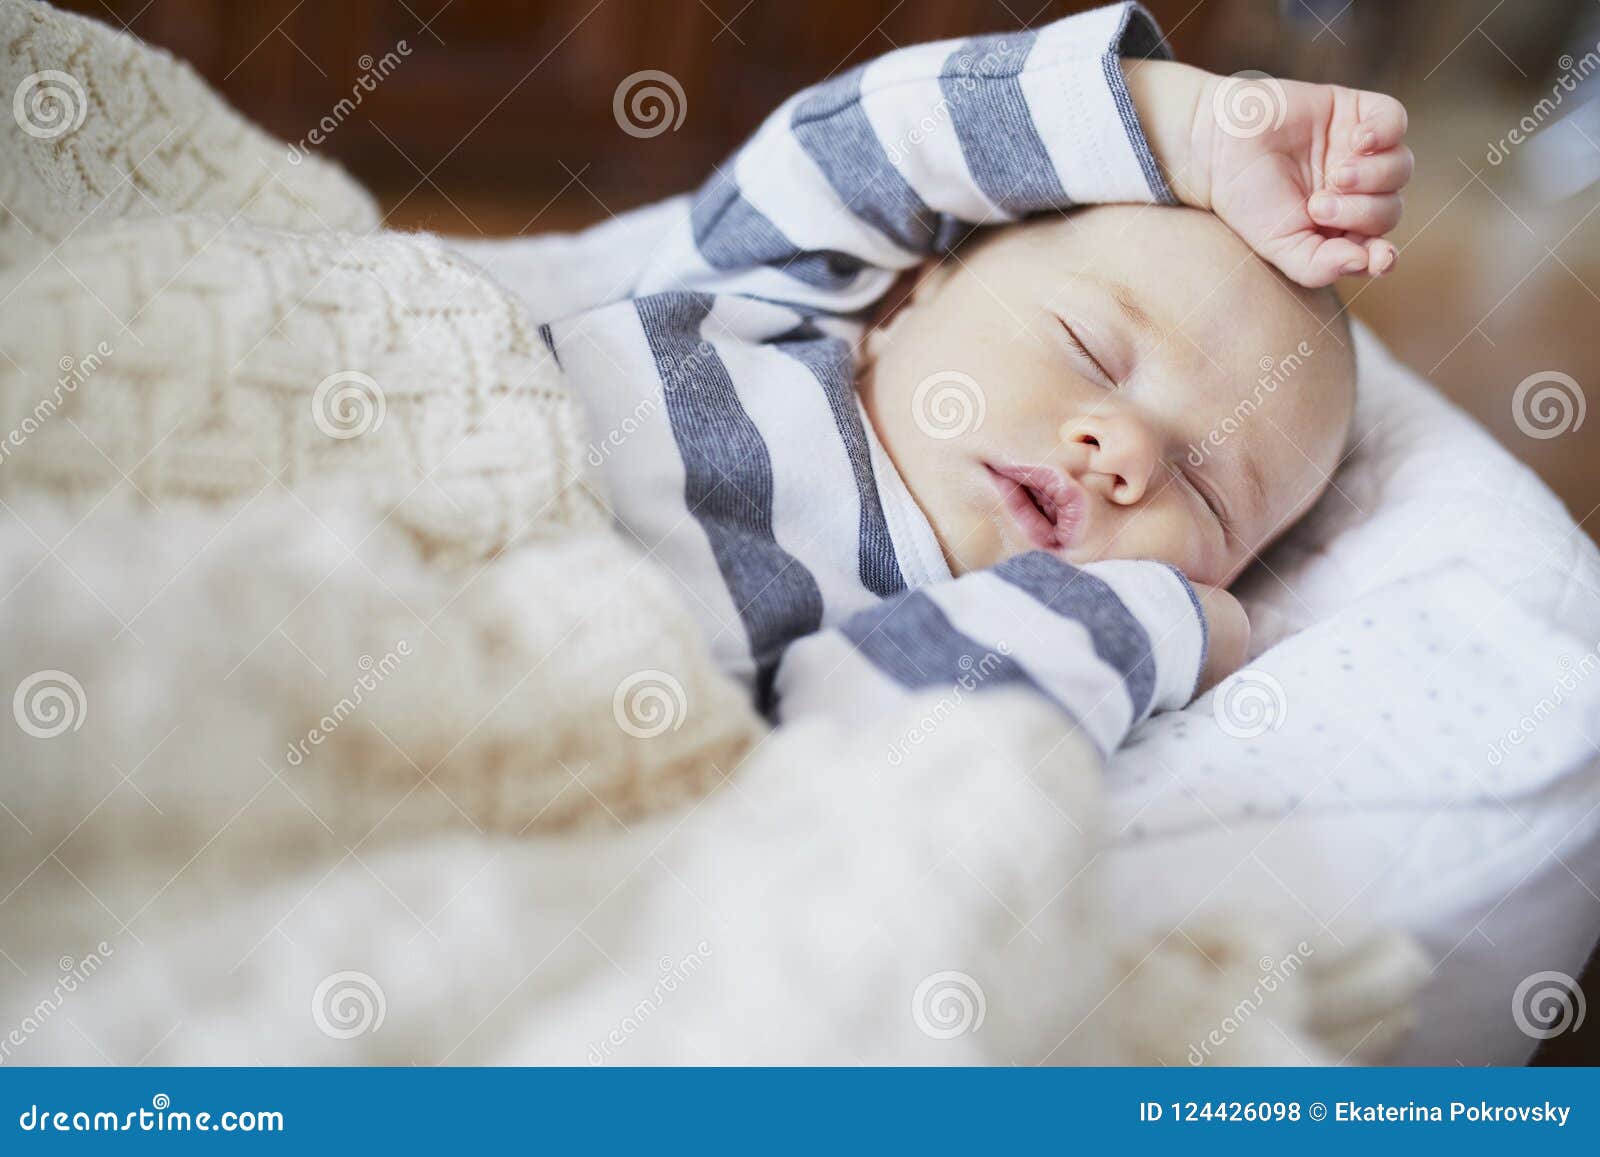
{"x": 1173, "y": 102}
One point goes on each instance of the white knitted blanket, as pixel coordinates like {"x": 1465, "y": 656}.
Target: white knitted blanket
{"x": 345, "y": 730}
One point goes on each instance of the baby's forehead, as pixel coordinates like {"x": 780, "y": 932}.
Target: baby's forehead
{"x": 1232, "y": 337}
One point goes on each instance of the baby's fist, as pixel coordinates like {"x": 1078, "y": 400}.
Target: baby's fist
{"x": 1228, "y": 634}
{"x": 1309, "y": 174}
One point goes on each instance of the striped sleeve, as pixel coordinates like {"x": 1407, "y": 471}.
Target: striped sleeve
{"x": 872, "y": 170}
{"x": 1108, "y": 643}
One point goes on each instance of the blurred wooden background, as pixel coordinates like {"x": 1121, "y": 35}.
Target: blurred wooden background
{"x": 1492, "y": 286}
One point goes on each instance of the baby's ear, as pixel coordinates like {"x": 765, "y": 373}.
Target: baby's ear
{"x": 913, "y": 285}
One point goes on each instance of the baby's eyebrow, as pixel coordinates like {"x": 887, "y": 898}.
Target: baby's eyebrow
{"x": 1131, "y": 309}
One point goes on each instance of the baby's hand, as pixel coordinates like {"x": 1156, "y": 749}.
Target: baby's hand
{"x": 1227, "y": 634}
{"x": 1308, "y": 174}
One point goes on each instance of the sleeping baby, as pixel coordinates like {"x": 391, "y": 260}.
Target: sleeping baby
{"x": 904, "y": 412}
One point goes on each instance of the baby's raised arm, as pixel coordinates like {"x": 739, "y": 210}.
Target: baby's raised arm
{"x": 872, "y": 171}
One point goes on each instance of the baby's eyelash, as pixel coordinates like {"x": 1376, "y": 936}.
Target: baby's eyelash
{"x": 1211, "y": 503}
{"x": 1077, "y": 344}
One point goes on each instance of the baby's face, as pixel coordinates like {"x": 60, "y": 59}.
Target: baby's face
{"x": 1121, "y": 383}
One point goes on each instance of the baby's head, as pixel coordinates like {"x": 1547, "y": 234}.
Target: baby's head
{"x": 1124, "y": 382}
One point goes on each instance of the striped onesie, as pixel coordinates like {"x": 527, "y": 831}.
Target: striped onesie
{"x": 719, "y": 380}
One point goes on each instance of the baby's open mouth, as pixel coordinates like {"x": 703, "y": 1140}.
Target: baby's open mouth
{"x": 1042, "y": 501}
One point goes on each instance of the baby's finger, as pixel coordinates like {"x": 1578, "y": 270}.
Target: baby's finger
{"x": 1323, "y": 260}
{"x": 1385, "y": 172}
{"x": 1381, "y": 256}
{"x": 1381, "y": 124}
{"x": 1372, "y": 215}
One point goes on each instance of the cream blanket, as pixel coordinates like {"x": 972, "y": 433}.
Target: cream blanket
{"x": 345, "y": 730}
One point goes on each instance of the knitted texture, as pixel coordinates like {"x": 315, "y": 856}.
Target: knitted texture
{"x": 213, "y": 360}
{"x": 388, "y": 694}
{"x": 103, "y": 127}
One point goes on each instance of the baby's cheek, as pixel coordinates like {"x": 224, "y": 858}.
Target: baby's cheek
{"x": 1167, "y": 534}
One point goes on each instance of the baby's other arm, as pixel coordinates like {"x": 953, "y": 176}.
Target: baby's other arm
{"x": 1108, "y": 643}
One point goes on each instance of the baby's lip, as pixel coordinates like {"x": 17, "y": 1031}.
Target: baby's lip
{"x": 1045, "y": 504}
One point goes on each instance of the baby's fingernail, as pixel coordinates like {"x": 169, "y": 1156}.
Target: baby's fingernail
{"x": 1346, "y": 177}
{"x": 1354, "y": 265}
{"x": 1323, "y": 205}
{"x": 1365, "y": 141}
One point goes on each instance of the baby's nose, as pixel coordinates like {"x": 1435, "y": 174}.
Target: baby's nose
{"x": 1122, "y": 450}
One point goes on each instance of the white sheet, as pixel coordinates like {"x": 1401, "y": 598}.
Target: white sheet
{"x": 1435, "y": 597}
